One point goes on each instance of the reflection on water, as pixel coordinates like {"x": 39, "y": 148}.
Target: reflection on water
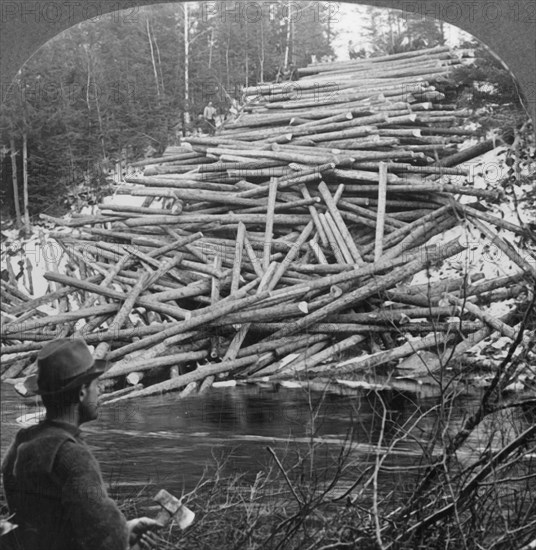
{"x": 168, "y": 442}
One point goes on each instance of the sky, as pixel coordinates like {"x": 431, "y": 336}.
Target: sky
{"x": 349, "y": 23}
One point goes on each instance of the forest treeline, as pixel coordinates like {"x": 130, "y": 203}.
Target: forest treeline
{"x": 127, "y": 84}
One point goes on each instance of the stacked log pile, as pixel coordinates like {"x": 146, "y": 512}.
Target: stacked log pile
{"x": 285, "y": 242}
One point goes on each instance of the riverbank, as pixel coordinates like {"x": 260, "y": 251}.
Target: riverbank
{"x": 296, "y": 469}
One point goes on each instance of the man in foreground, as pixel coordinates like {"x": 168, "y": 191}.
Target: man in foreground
{"x": 52, "y": 482}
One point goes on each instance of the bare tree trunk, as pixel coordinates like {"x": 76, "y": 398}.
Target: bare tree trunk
{"x": 289, "y": 34}
{"x": 186, "y": 66}
{"x": 152, "y": 57}
{"x": 25, "y": 182}
{"x": 227, "y": 80}
{"x": 261, "y": 55}
{"x": 211, "y": 45}
{"x": 162, "y": 89}
{"x": 246, "y": 48}
{"x": 15, "y": 182}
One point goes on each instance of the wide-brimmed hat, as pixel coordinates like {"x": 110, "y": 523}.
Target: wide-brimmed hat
{"x": 63, "y": 364}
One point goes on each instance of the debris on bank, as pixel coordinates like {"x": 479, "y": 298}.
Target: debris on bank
{"x": 328, "y": 232}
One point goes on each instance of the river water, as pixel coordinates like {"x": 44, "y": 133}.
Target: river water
{"x": 165, "y": 442}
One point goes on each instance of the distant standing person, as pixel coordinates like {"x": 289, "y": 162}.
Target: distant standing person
{"x": 209, "y": 114}
{"x": 351, "y": 50}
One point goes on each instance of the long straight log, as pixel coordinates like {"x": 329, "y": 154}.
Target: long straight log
{"x": 268, "y": 231}
{"x": 507, "y": 248}
{"x": 377, "y": 285}
{"x": 341, "y": 226}
{"x": 183, "y": 380}
{"x": 363, "y": 364}
{"x": 148, "y": 303}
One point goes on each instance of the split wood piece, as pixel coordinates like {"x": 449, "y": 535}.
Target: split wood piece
{"x": 363, "y": 364}
{"x": 183, "y": 380}
{"x": 148, "y": 303}
{"x": 380, "y": 217}
{"x": 268, "y": 232}
{"x": 527, "y": 266}
{"x": 379, "y": 284}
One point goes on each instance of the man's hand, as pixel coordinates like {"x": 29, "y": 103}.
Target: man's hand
{"x": 141, "y": 532}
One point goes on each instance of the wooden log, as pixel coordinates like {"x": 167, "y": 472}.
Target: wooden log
{"x": 332, "y": 240}
{"x": 468, "y": 154}
{"x": 326, "y": 354}
{"x": 234, "y": 219}
{"x": 363, "y": 364}
{"x": 268, "y": 232}
{"x": 341, "y": 226}
{"x": 379, "y": 284}
{"x": 316, "y": 249}
{"x": 380, "y": 219}
{"x": 291, "y": 255}
{"x": 148, "y": 364}
{"x": 149, "y": 303}
{"x": 122, "y": 315}
{"x": 15, "y": 327}
{"x": 185, "y": 379}
{"x": 106, "y": 397}
{"x": 528, "y": 267}
{"x": 489, "y": 319}
{"x": 498, "y": 222}
{"x": 265, "y": 366}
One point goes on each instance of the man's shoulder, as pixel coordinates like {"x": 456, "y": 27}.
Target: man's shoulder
{"x": 35, "y": 449}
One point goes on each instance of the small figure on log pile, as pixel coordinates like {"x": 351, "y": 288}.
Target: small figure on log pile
{"x": 209, "y": 116}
